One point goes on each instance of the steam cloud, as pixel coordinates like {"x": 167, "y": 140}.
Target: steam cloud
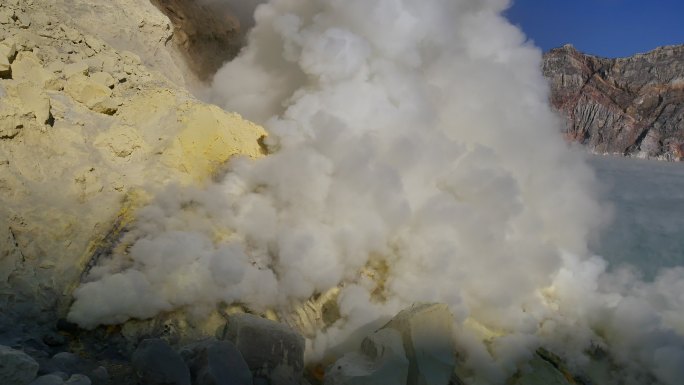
{"x": 416, "y": 135}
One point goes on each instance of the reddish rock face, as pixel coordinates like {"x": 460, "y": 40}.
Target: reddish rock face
{"x": 629, "y": 106}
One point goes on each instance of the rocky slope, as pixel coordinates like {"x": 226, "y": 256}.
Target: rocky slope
{"x": 630, "y": 106}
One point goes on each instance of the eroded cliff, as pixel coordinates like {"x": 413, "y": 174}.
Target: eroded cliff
{"x": 629, "y": 106}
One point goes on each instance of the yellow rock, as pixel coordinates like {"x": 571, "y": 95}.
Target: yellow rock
{"x": 121, "y": 142}
{"x": 209, "y": 137}
{"x": 34, "y": 100}
{"x": 72, "y": 69}
{"x": 103, "y": 78}
{"x": 28, "y": 67}
{"x": 10, "y": 121}
{"x": 86, "y": 90}
{"x": 7, "y": 51}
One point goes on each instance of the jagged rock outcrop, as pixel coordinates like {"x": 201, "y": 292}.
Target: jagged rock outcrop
{"x": 630, "y": 106}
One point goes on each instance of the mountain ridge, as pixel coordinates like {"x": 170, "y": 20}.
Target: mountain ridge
{"x": 631, "y": 106}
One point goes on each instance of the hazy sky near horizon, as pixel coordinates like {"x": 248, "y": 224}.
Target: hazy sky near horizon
{"x": 609, "y": 28}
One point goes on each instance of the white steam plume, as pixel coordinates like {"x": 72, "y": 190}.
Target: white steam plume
{"x": 412, "y": 132}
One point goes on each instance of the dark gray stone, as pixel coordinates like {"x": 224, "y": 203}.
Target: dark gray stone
{"x": 99, "y": 376}
{"x": 78, "y": 379}
{"x": 214, "y": 362}
{"x": 265, "y": 345}
{"x": 48, "y": 379}
{"x": 156, "y": 363}
{"x": 66, "y": 362}
{"x": 16, "y": 367}
{"x": 54, "y": 339}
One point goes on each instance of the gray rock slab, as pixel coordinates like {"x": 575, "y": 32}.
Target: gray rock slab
{"x": 156, "y": 363}
{"x": 265, "y": 344}
{"x": 214, "y": 362}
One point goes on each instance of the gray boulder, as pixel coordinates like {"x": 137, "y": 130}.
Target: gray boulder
{"x": 99, "y": 376}
{"x": 65, "y": 362}
{"x": 48, "y": 379}
{"x": 214, "y": 362}
{"x": 415, "y": 348}
{"x": 266, "y": 346}
{"x": 156, "y": 363}
{"x": 16, "y": 367}
{"x": 381, "y": 361}
{"x": 78, "y": 379}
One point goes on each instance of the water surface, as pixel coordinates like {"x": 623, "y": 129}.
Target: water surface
{"x": 648, "y": 226}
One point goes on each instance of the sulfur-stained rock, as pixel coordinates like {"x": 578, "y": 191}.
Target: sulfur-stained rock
{"x": 94, "y": 43}
{"x": 23, "y": 20}
{"x": 103, "y": 78}
{"x": 71, "y": 33}
{"x": 203, "y": 143}
{"x": 77, "y": 151}
{"x": 6, "y": 16}
{"x": 11, "y": 121}
{"x": 86, "y": 91}
{"x": 34, "y": 100}
{"x": 28, "y": 67}
{"x": 8, "y": 50}
{"x": 72, "y": 69}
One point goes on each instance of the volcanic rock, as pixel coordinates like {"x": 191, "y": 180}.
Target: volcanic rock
{"x": 214, "y": 362}
{"x": 16, "y": 367}
{"x": 630, "y": 106}
{"x": 271, "y": 349}
{"x": 78, "y": 379}
{"x": 48, "y": 379}
{"x": 416, "y": 347}
{"x": 156, "y": 363}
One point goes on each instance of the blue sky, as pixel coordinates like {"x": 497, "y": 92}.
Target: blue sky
{"x": 609, "y": 28}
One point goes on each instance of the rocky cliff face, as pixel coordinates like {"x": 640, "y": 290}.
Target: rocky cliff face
{"x": 631, "y": 106}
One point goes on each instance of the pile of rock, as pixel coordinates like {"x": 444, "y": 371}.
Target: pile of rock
{"x": 247, "y": 350}
{"x": 416, "y": 347}
{"x": 18, "y": 368}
